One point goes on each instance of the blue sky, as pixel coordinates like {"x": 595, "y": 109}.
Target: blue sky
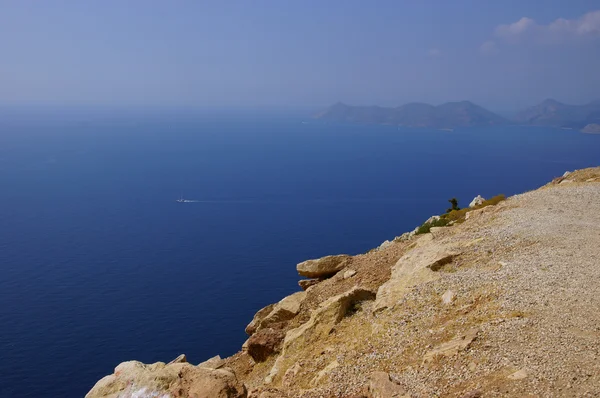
{"x": 501, "y": 54}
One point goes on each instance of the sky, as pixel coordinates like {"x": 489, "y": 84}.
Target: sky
{"x": 501, "y": 54}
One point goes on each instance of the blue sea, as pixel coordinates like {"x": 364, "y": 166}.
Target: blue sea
{"x": 99, "y": 264}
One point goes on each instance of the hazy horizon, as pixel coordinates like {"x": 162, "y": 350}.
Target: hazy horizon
{"x": 306, "y": 55}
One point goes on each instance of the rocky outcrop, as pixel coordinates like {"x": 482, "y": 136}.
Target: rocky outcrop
{"x": 306, "y": 283}
{"x": 212, "y": 363}
{"x": 382, "y": 386}
{"x": 321, "y": 322}
{"x": 477, "y": 201}
{"x": 258, "y": 317}
{"x": 264, "y": 343}
{"x": 134, "y": 379}
{"x": 284, "y": 310}
{"x": 419, "y": 265}
{"x": 324, "y": 266}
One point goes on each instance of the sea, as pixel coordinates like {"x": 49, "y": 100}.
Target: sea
{"x": 100, "y": 264}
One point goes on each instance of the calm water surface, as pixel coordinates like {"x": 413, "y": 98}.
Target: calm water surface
{"x": 99, "y": 264}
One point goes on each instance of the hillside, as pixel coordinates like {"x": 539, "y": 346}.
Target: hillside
{"x": 556, "y": 114}
{"x": 503, "y": 303}
{"x": 448, "y": 115}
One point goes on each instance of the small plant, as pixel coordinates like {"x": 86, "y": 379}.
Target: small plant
{"x": 454, "y": 203}
{"x": 426, "y": 227}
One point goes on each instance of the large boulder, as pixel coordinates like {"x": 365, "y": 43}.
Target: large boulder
{"x": 418, "y": 266}
{"x": 134, "y": 379}
{"x": 321, "y": 322}
{"x": 324, "y": 266}
{"x": 282, "y": 311}
{"x": 477, "y": 201}
{"x": 264, "y": 343}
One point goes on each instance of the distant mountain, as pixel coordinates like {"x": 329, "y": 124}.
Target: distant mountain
{"x": 448, "y": 115}
{"x": 556, "y": 114}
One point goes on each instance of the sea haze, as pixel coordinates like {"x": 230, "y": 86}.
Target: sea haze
{"x": 99, "y": 264}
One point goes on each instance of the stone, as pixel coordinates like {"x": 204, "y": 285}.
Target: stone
{"x": 282, "y": 311}
{"x": 382, "y": 386}
{"x": 591, "y": 180}
{"x": 349, "y": 274}
{"x": 566, "y": 173}
{"x": 518, "y": 375}
{"x": 267, "y": 393}
{"x": 432, "y": 219}
{"x": 306, "y": 283}
{"x": 419, "y": 265}
{"x": 565, "y": 182}
{"x": 323, "y": 373}
{"x": 135, "y": 379}
{"x": 478, "y": 212}
{"x": 321, "y": 322}
{"x": 448, "y": 297}
{"x": 180, "y": 359}
{"x": 323, "y": 267}
{"x": 258, "y": 317}
{"x": 473, "y": 394}
{"x": 264, "y": 343}
{"x": 454, "y": 346}
{"x": 212, "y": 363}
{"x": 290, "y": 374}
{"x": 385, "y": 244}
{"x": 437, "y": 231}
{"x": 477, "y": 201}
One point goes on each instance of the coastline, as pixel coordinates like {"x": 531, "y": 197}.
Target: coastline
{"x": 453, "y": 284}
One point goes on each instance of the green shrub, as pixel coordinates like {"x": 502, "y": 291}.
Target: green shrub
{"x": 454, "y": 203}
{"x": 426, "y": 227}
{"x": 492, "y": 201}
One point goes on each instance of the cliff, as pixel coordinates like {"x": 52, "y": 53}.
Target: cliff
{"x": 502, "y": 302}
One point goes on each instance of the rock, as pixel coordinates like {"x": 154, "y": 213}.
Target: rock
{"x": 267, "y": 393}
{"x": 419, "y": 265}
{"x": 180, "y": 359}
{"x": 264, "y": 343}
{"x": 448, "y": 297}
{"x": 290, "y": 374}
{"x": 324, "y": 266}
{"x": 385, "y": 244}
{"x": 478, "y": 212}
{"x": 258, "y": 317}
{"x": 566, "y": 173}
{"x": 473, "y": 394}
{"x": 438, "y": 231}
{"x": 212, "y": 363}
{"x": 477, "y": 201}
{"x": 284, "y": 310}
{"x": 518, "y": 375}
{"x": 591, "y": 180}
{"x": 432, "y": 219}
{"x": 324, "y": 372}
{"x": 452, "y": 347}
{"x": 382, "y": 386}
{"x": 306, "y": 283}
{"x": 349, "y": 274}
{"x": 320, "y": 324}
{"x": 565, "y": 182}
{"x": 135, "y": 379}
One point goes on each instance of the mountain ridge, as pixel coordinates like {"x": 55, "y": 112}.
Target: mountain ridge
{"x": 415, "y": 114}
{"x": 450, "y": 115}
